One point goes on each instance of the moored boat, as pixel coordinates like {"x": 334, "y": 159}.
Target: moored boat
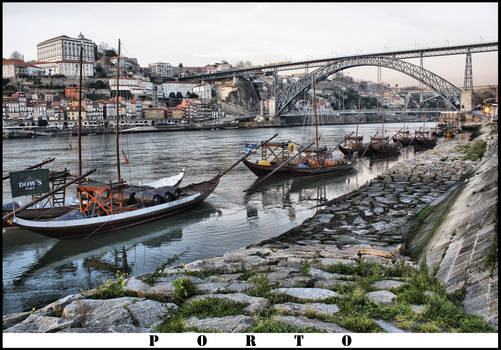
{"x": 424, "y": 139}
{"x": 79, "y": 225}
{"x": 293, "y": 159}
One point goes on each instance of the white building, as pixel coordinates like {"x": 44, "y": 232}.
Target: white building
{"x": 203, "y": 90}
{"x": 161, "y": 69}
{"x": 68, "y": 68}
{"x": 61, "y": 55}
{"x": 177, "y": 86}
{"x": 136, "y": 86}
{"x": 65, "y": 48}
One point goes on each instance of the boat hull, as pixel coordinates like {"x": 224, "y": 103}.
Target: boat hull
{"x": 82, "y": 228}
{"x": 325, "y": 170}
{"x": 384, "y": 150}
{"x": 263, "y": 170}
{"x": 425, "y": 143}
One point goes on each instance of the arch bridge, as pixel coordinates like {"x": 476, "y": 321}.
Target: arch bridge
{"x": 443, "y": 88}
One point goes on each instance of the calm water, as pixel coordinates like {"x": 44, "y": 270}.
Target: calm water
{"x": 38, "y": 270}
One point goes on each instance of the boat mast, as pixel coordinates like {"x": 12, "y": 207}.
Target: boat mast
{"x": 80, "y": 114}
{"x": 118, "y": 113}
{"x": 315, "y": 110}
{"x": 358, "y": 117}
{"x": 381, "y": 94}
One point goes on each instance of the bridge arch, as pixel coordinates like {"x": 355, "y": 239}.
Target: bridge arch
{"x": 449, "y": 92}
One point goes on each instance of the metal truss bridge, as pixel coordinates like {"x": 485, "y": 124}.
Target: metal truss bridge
{"x": 392, "y": 60}
{"x": 403, "y": 54}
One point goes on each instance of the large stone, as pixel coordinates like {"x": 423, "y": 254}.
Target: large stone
{"x": 317, "y": 273}
{"x": 381, "y": 297}
{"x": 255, "y": 304}
{"x": 228, "y": 324}
{"x": 303, "y": 322}
{"x": 218, "y": 287}
{"x": 94, "y": 313}
{"x": 58, "y": 305}
{"x": 150, "y": 313}
{"x": 12, "y": 319}
{"x": 386, "y": 200}
{"x": 162, "y": 286}
{"x": 295, "y": 281}
{"x": 326, "y": 262}
{"x": 330, "y": 284}
{"x": 307, "y": 293}
{"x": 231, "y": 277}
{"x": 108, "y": 329}
{"x": 303, "y": 309}
{"x": 40, "y": 324}
{"x": 387, "y": 284}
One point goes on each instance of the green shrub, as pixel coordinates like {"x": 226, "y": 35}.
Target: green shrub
{"x": 112, "y": 289}
{"x": 183, "y": 288}
{"x": 261, "y": 286}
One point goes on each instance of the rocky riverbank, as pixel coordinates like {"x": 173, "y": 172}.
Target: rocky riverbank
{"x": 346, "y": 269}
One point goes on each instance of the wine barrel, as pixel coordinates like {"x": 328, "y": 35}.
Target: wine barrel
{"x": 148, "y": 198}
{"x": 168, "y": 193}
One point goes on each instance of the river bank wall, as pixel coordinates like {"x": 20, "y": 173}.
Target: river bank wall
{"x": 346, "y": 269}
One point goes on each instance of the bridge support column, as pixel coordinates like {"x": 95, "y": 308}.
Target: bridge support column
{"x": 467, "y": 92}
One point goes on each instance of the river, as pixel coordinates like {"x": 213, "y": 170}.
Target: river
{"x": 38, "y": 270}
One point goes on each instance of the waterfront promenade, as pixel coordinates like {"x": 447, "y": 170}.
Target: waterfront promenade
{"x": 346, "y": 269}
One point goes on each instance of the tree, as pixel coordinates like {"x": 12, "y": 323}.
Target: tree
{"x": 102, "y": 47}
{"x": 180, "y": 65}
{"x": 99, "y": 84}
{"x": 240, "y": 64}
{"x": 42, "y": 122}
{"x": 248, "y": 63}
{"x": 16, "y": 55}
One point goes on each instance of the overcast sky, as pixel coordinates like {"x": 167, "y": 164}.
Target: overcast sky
{"x": 196, "y": 34}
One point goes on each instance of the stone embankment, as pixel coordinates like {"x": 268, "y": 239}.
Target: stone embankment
{"x": 346, "y": 269}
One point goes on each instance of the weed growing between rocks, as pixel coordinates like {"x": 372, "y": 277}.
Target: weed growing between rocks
{"x": 183, "y": 289}
{"x": 208, "y": 307}
{"x": 261, "y": 287}
{"x": 473, "y": 151}
{"x": 212, "y": 307}
{"x": 442, "y": 312}
{"x": 272, "y": 326}
{"x": 150, "y": 279}
{"x": 201, "y": 274}
{"x": 112, "y": 289}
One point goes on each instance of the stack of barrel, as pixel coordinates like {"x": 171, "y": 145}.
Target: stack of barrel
{"x": 147, "y": 196}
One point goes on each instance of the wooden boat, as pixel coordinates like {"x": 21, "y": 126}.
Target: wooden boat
{"x": 437, "y": 132}
{"x": 290, "y": 158}
{"x": 311, "y": 163}
{"x": 424, "y": 139}
{"x": 353, "y": 144}
{"x": 381, "y": 147}
{"x": 122, "y": 216}
{"x": 403, "y": 137}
